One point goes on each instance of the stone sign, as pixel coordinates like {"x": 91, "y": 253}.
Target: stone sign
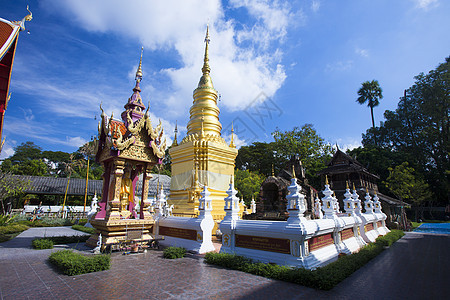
{"x": 263, "y": 243}
{"x": 320, "y": 241}
{"x": 181, "y": 233}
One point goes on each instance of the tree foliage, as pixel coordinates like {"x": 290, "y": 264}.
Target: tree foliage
{"x": 403, "y": 183}
{"x": 308, "y": 145}
{"x": 247, "y": 184}
{"x": 419, "y": 128}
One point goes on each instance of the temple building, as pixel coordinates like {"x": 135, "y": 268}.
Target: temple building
{"x": 9, "y": 34}
{"x": 343, "y": 168}
{"x": 202, "y": 157}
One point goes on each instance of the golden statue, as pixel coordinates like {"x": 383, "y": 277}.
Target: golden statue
{"x": 126, "y": 195}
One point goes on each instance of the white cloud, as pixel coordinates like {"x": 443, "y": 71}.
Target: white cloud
{"x": 348, "y": 143}
{"x": 362, "y": 52}
{"x": 76, "y": 141}
{"x": 8, "y": 149}
{"x": 426, "y": 4}
{"x": 315, "y": 6}
{"x": 339, "y": 66}
{"x": 237, "y": 141}
{"x": 245, "y": 60}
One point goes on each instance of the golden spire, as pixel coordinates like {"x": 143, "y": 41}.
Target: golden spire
{"x": 326, "y": 180}
{"x": 232, "y": 145}
{"x": 273, "y": 173}
{"x": 138, "y": 77}
{"x": 293, "y": 172}
{"x": 367, "y": 190}
{"x": 175, "y": 143}
{"x": 206, "y": 69}
{"x": 205, "y": 98}
{"x": 354, "y": 186}
{"x": 346, "y": 185}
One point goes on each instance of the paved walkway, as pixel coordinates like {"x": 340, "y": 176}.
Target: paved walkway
{"x": 416, "y": 267}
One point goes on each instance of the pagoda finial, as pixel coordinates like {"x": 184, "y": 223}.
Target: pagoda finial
{"x": 232, "y": 145}
{"x": 293, "y": 172}
{"x": 354, "y": 186}
{"x": 206, "y": 69}
{"x": 175, "y": 143}
{"x": 138, "y": 77}
{"x": 326, "y": 180}
{"x": 346, "y": 185}
{"x": 273, "y": 173}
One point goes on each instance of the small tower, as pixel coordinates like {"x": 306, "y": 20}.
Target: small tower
{"x": 377, "y": 204}
{"x": 175, "y": 142}
{"x": 329, "y": 206}
{"x": 368, "y": 204}
{"x": 296, "y": 200}
{"x": 318, "y": 208}
{"x": 348, "y": 202}
{"x": 357, "y": 201}
{"x": 231, "y": 203}
{"x": 253, "y": 205}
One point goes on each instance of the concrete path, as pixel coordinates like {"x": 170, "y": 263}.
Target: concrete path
{"x": 416, "y": 267}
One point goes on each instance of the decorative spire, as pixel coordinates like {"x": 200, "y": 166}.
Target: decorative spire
{"x": 273, "y": 173}
{"x": 205, "y": 97}
{"x": 206, "y": 69}
{"x": 138, "y": 77}
{"x": 293, "y": 171}
{"x": 326, "y": 180}
{"x": 346, "y": 185}
{"x": 175, "y": 143}
{"x": 232, "y": 145}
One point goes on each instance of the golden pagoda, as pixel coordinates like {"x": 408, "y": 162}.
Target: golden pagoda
{"x": 202, "y": 157}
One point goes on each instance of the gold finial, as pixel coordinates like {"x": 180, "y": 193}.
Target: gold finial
{"x": 326, "y": 180}
{"x": 232, "y": 145}
{"x": 354, "y": 186}
{"x": 21, "y": 23}
{"x": 175, "y": 143}
{"x": 273, "y": 173}
{"x": 346, "y": 185}
{"x": 367, "y": 190}
{"x": 206, "y": 69}
{"x": 138, "y": 77}
{"x": 293, "y": 172}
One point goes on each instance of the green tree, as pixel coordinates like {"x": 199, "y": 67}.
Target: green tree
{"x": 258, "y": 157}
{"x": 371, "y": 93}
{"x": 308, "y": 145}
{"x": 404, "y": 184}
{"x": 247, "y": 184}
{"x": 419, "y": 128}
{"x": 11, "y": 190}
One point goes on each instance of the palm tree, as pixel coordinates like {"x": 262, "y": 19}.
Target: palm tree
{"x": 371, "y": 93}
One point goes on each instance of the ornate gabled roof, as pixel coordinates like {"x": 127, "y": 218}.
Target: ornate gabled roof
{"x": 134, "y": 137}
{"x": 344, "y": 163}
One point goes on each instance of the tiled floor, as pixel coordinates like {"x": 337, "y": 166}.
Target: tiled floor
{"x": 416, "y": 267}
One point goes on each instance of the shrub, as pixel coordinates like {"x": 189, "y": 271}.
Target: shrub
{"x": 174, "y": 252}
{"x": 324, "y": 278}
{"x": 84, "y": 229}
{"x": 58, "y": 240}
{"x": 42, "y": 244}
{"x": 71, "y": 263}
{"x": 12, "y": 228}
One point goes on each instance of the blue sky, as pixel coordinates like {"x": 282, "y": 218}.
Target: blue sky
{"x": 275, "y": 64}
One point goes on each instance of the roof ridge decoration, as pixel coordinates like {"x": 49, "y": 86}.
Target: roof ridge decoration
{"x": 135, "y": 133}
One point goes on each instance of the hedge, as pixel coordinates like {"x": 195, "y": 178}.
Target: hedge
{"x": 58, "y": 240}
{"x": 174, "y": 252}
{"x": 71, "y": 263}
{"x": 324, "y": 278}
